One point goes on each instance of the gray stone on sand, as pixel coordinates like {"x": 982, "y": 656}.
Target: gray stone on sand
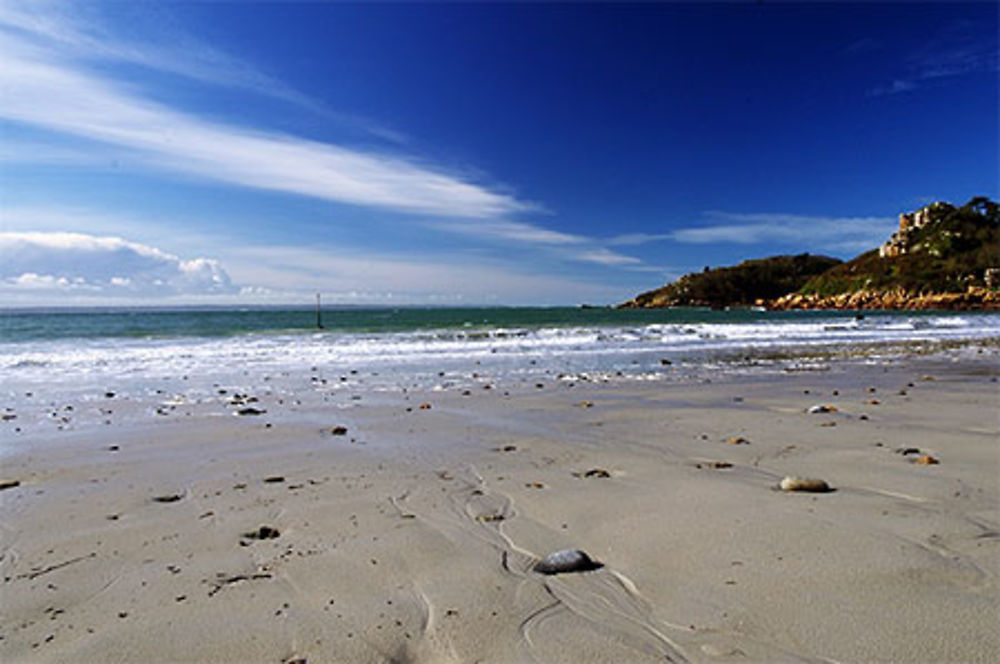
{"x": 804, "y": 484}
{"x": 566, "y": 561}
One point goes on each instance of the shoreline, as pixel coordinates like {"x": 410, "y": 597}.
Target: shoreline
{"x": 412, "y": 535}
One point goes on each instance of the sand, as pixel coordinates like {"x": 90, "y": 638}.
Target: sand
{"x": 412, "y": 537}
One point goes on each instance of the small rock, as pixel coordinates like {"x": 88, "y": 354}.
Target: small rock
{"x": 907, "y": 450}
{"x": 250, "y": 411}
{"x": 586, "y": 404}
{"x": 274, "y": 479}
{"x": 822, "y": 408}
{"x": 168, "y": 498}
{"x": 805, "y": 484}
{"x": 490, "y": 517}
{"x": 338, "y": 431}
{"x": 927, "y": 460}
{"x": 424, "y": 406}
{"x": 568, "y": 560}
{"x": 263, "y": 533}
{"x": 720, "y": 465}
{"x": 664, "y": 362}
{"x": 507, "y": 448}
{"x": 874, "y": 402}
{"x": 594, "y": 472}
{"x": 9, "y": 484}
{"x": 737, "y": 440}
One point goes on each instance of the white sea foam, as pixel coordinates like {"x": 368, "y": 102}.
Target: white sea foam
{"x": 563, "y": 348}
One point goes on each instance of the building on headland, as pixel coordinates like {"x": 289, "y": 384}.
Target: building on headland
{"x": 899, "y": 243}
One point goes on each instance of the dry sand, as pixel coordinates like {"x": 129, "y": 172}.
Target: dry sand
{"x": 412, "y": 537}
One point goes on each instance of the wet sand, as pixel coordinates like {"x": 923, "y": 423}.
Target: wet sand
{"x": 197, "y": 535}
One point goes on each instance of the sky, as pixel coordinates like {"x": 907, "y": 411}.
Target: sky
{"x": 467, "y": 154}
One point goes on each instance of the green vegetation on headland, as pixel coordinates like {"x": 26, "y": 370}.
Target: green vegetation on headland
{"x": 740, "y": 285}
{"x": 942, "y": 257}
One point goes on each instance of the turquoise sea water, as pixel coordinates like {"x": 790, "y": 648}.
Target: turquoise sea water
{"x": 38, "y": 325}
{"x": 97, "y": 346}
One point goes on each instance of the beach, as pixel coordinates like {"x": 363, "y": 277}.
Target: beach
{"x": 333, "y": 523}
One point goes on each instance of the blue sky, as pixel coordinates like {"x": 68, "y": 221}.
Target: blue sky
{"x": 468, "y": 154}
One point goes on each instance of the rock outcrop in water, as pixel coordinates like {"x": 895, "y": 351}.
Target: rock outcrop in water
{"x": 942, "y": 257}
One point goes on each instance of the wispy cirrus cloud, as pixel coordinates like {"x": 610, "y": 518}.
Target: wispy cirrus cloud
{"x": 961, "y": 47}
{"x": 569, "y": 246}
{"x": 77, "y": 32}
{"x": 53, "y": 95}
{"x": 49, "y": 87}
{"x": 817, "y": 233}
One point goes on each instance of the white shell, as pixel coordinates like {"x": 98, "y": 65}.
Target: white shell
{"x": 567, "y": 560}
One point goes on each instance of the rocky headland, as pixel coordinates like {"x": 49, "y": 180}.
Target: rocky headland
{"x": 942, "y": 257}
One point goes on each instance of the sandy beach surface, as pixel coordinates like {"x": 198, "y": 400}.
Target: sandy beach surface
{"x": 135, "y": 531}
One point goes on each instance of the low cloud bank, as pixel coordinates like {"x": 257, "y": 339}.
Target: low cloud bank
{"x": 90, "y": 265}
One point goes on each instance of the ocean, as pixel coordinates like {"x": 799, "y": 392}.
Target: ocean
{"x": 49, "y": 347}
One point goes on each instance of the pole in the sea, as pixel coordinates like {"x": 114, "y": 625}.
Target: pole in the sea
{"x": 319, "y": 313}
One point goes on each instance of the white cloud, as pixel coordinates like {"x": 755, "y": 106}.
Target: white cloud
{"x": 102, "y": 266}
{"x": 53, "y": 96}
{"x": 511, "y": 230}
{"x": 47, "y": 85}
{"x": 815, "y": 233}
{"x": 960, "y": 47}
{"x": 78, "y": 33}
{"x": 603, "y": 256}
{"x": 295, "y": 272}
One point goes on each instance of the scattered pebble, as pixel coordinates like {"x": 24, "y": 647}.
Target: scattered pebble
{"x": 822, "y": 408}
{"x": 263, "y": 533}
{"x": 586, "y": 404}
{"x": 338, "y": 431}
{"x": 274, "y": 479}
{"x": 488, "y": 518}
{"x": 593, "y": 472}
{"x": 250, "y": 411}
{"x": 424, "y": 406}
{"x": 568, "y": 560}
{"x": 9, "y": 484}
{"x": 805, "y": 484}
{"x": 168, "y": 498}
{"x": 737, "y": 440}
{"x": 907, "y": 450}
{"x": 927, "y": 460}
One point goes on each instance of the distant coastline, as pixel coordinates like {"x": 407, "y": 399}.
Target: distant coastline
{"x": 943, "y": 257}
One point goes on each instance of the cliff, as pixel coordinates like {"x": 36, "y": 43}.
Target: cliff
{"x": 745, "y": 284}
